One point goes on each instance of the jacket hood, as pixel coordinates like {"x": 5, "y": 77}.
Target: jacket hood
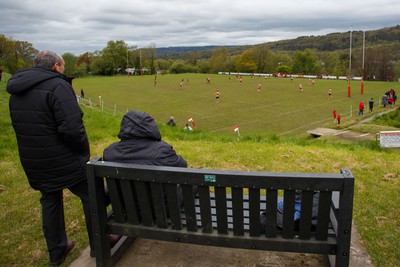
{"x": 26, "y": 79}
{"x": 137, "y": 124}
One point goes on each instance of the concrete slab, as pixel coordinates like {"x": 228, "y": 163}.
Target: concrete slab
{"x": 149, "y": 253}
{"x": 317, "y": 132}
{"x": 345, "y": 134}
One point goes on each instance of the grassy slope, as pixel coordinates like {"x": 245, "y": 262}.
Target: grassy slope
{"x": 377, "y": 181}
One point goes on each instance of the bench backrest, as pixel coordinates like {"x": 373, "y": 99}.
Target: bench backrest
{"x": 227, "y": 203}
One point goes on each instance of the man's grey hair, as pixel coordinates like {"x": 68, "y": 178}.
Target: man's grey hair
{"x": 46, "y": 59}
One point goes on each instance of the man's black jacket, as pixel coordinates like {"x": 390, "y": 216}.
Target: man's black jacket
{"x": 52, "y": 141}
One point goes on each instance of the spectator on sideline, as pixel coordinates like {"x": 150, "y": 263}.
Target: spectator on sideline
{"x": 187, "y": 127}
{"x": 361, "y": 109}
{"x": 334, "y": 115}
{"x": 52, "y": 143}
{"x": 371, "y": 104}
{"x": 171, "y": 121}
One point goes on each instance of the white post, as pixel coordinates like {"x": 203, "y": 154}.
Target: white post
{"x": 90, "y": 102}
{"x": 363, "y": 54}
{"x": 350, "y": 57}
{"x": 102, "y": 105}
{"x": 351, "y": 111}
{"x": 115, "y": 109}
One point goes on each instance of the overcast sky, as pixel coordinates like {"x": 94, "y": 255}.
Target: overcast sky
{"x": 80, "y": 26}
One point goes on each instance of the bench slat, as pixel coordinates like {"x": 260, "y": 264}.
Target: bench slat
{"x": 231, "y": 240}
{"x": 306, "y": 214}
{"x": 271, "y": 217}
{"x": 237, "y": 211}
{"x": 115, "y": 197}
{"x": 146, "y": 213}
{"x": 254, "y": 209}
{"x": 159, "y": 206}
{"x": 288, "y": 214}
{"x": 174, "y": 205}
{"x": 189, "y": 207}
{"x": 131, "y": 204}
{"x": 324, "y": 209}
{"x": 221, "y": 209}
{"x": 205, "y": 209}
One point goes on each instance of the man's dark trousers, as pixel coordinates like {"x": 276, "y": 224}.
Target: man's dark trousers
{"x": 53, "y": 218}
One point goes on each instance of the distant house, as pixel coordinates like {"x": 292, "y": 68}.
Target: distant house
{"x": 135, "y": 71}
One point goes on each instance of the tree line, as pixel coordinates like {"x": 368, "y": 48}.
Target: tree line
{"x": 327, "y": 55}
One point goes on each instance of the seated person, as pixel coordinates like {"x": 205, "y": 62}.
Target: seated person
{"x": 297, "y": 213}
{"x": 187, "y": 127}
{"x": 141, "y": 143}
{"x": 171, "y": 121}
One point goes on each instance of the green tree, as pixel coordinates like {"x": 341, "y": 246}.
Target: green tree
{"x": 151, "y": 50}
{"x": 246, "y": 63}
{"x": 25, "y": 53}
{"x": 275, "y": 60}
{"x": 283, "y": 69}
{"x": 114, "y": 56}
{"x": 70, "y": 64}
{"x": 261, "y": 53}
{"x": 180, "y": 66}
{"x": 305, "y": 62}
{"x": 97, "y": 64}
{"x": 327, "y": 62}
{"x": 193, "y": 57}
{"x": 8, "y": 54}
{"x": 164, "y": 64}
{"x": 203, "y": 66}
{"x": 83, "y": 63}
{"x": 219, "y": 60}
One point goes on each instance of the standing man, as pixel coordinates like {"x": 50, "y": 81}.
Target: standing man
{"x": 52, "y": 143}
{"x": 371, "y": 104}
{"x": 1, "y": 73}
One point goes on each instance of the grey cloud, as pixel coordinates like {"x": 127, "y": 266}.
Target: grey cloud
{"x": 78, "y": 27}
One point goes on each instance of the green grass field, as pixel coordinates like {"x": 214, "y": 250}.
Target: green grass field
{"x": 279, "y": 109}
{"x": 376, "y": 171}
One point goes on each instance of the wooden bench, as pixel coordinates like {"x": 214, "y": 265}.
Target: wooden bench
{"x": 219, "y": 208}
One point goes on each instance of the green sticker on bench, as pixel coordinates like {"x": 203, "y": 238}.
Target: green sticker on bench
{"x": 208, "y": 178}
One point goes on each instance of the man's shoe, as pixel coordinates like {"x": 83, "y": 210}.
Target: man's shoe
{"x": 113, "y": 239}
{"x": 70, "y": 246}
